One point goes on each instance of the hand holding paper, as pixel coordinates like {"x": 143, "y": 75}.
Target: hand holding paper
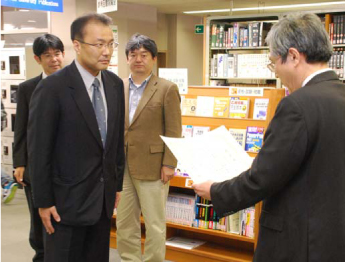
{"x": 213, "y": 156}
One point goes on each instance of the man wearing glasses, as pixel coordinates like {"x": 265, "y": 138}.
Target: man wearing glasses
{"x": 300, "y": 171}
{"x": 49, "y": 53}
{"x": 76, "y": 148}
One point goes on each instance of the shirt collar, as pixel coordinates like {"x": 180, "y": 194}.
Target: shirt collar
{"x": 44, "y": 75}
{"x": 315, "y": 74}
{"x": 141, "y": 85}
{"x": 86, "y": 76}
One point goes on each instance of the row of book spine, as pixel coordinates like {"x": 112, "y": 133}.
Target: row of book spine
{"x": 240, "y": 65}
{"x": 337, "y": 30}
{"x": 235, "y": 35}
{"x": 199, "y": 212}
{"x": 337, "y": 62}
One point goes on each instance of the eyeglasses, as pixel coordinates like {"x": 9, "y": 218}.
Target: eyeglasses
{"x": 111, "y": 45}
{"x": 272, "y": 67}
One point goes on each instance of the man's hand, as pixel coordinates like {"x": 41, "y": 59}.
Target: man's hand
{"x": 167, "y": 174}
{"x": 45, "y": 214}
{"x": 19, "y": 174}
{"x": 203, "y": 189}
{"x": 117, "y": 200}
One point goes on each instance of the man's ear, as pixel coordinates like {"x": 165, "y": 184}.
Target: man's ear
{"x": 294, "y": 56}
{"x": 38, "y": 59}
{"x": 76, "y": 46}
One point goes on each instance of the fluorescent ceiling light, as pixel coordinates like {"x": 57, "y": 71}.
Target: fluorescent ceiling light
{"x": 265, "y": 7}
{"x": 23, "y": 10}
{"x": 31, "y": 21}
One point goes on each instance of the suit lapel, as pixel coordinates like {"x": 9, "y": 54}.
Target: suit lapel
{"x": 150, "y": 89}
{"x": 110, "y": 95}
{"x": 82, "y": 99}
{"x": 126, "y": 86}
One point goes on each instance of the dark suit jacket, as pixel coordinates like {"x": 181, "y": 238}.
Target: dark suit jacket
{"x": 20, "y": 154}
{"x": 70, "y": 168}
{"x": 300, "y": 176}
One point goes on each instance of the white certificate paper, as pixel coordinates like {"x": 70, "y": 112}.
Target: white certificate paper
{"x": 215, "y": 156}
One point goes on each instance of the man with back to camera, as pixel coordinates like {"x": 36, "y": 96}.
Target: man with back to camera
{"x": 152, "y": 109}
{"x": 76, "y": 148}
{"x": 300, "y": 171}
{"x": 49, "y": 53}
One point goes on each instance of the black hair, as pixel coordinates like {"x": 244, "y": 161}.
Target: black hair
{"x": 137, "y": 41}
{"x": 45, "y": 42}
{"x": 77, "y": 27}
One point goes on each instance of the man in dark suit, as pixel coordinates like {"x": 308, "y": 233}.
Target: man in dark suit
{"x": 76, "y": 148}
{"x": 49, "y": 53}
{"x": 300, "y": 171}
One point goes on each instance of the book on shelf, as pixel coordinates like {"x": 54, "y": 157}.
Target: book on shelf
{"x": 265, "y": 27}
{"x": 184, "y": 243}
{"x": 247, "y": 225}
{"x": 180, "y": 209}
{"x": 205, "y": 106}
{"x": 260, "y": 108}
{"x": 217, "y": 82}
{"x": 254, "y": 138}
{"x": 187, "y": 131}
{"x": 221, "y": 107}
{"x": 239, "y": 135}
{"x": 200, "y": 130}
{"x": 239, "y": 107}
{"x": 189, "y": 106}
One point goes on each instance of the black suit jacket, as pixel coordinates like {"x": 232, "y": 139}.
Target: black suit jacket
{"x": 20, "y": 154}
{"x": 300, "y": 176}
{"x": 70, "y": 168}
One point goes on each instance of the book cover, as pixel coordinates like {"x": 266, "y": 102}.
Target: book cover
{"x": 189, "y": 106}
{"x": 187, "y": 131}
{"x": 254, "y": 138}
{"x": 205, "y": 106}
{"x": 200, "y": 130}
{"x": 260, "y": 108}
{"x": 234, "y": 220}
{"x": 221, "y": 107}
{"x": 239, "y": 107}
{"x": 239, "y": 135}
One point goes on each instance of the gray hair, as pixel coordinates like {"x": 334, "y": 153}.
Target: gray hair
{"x": 305, "y": 32}
{"x": 137, "y": 41}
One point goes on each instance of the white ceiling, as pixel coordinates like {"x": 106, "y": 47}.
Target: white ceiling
{"x": 178, "y": 6}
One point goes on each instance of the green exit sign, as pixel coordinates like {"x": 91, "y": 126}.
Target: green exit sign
{"x": 199, "y": 29}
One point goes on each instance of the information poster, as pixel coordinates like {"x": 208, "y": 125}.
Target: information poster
{"x": 179, "y": 76}
{"x": 106, "y": 6}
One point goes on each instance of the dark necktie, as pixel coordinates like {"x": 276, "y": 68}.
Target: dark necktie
{"x": 98, "y": 106}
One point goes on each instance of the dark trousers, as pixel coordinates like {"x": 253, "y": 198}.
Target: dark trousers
{"x": 79, "y": 243}
{"x": 36, "y": 228}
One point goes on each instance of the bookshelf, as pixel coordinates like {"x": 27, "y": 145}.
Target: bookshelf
{"x": 235, "y": 52}
{"x": 332, "y": 19}
{"x": 219, "y": 246}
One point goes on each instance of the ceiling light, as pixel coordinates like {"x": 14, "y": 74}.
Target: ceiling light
{"x": 31, "y": 21}
{"x": 265, "y": 7}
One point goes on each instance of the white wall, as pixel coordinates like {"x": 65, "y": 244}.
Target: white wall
{"x": 189, "y": 48}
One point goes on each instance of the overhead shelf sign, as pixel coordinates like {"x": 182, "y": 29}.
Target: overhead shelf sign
{"x": 44, "y": 5}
